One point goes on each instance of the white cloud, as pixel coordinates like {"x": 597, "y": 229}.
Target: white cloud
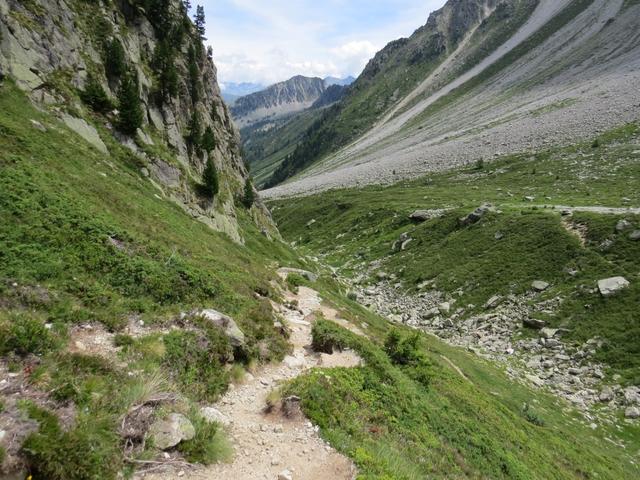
{"x": 269, "y": 41}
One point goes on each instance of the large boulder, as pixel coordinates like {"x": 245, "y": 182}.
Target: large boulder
{"x": 86, "y": 131}
{"x": 170, "y": 431}
{"x": 213, "y": 415}
{"x": 611, "y": 286}
{"x": 421, "y": 215}
{"x": 226, "y": 323}
{"x": 476, "y": 215}
{"x": 539, "y": 286}
{"x": 635, "y": 235}
{"x": 623, "y": 225}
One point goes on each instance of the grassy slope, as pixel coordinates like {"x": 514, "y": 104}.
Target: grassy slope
{"x": 61, "y": 203}
{"x": 355, "y": 227}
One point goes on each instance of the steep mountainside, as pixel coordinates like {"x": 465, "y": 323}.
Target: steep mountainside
{"x": 512, "y": 75}
{"x": 296, "y": 94}
{"x": 61, "y": 52}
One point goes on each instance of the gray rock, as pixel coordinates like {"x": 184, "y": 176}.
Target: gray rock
{"x": 421, "y": 215}
{"x": 539, "y": 285}
{"x": 632, "y": 412}
{"x": 537, "y": 381}
{"x": 86, "y": 131}
{"x": 476, "y": 215}
{"x": 611, "y": 286}
{"x": 623, "y": 225}
{"x": 444, "y": 308}
{"x": 493, "y": 302}
{"x": 631, "y": 395}
{"x": 285, "y": 475}
{"x": 548, "y": 333}
{"x": 213, "y": 415}
{"x": 534, "y": 323}
{"x": 169, "y": 432}
{"x": 429, "y": 314}
{"x": 606, "y": 395}
{"x": 38, "y": 126}
{"x": 227, "y": 324}
{"x": 635, "y": 235}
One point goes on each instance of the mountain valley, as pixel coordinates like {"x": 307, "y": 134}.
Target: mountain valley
{"x": 431, "y": 271}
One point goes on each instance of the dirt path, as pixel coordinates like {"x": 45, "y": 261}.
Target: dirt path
{"x": 267, "y": 445}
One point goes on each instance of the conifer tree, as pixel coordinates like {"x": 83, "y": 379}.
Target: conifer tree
{"x": 249, "y": 196}
{"x": 167, "y": 75}
{"x": 114, "y": 60}
{"x": 208, "y": 140}
{"x": 194, "y": 139}
{"x": 198, "y": 20}
{"x": 129, "y": 105}
{"x": 210, "y": 179}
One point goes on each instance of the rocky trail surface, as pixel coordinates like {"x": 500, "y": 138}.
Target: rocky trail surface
{"x": 270, "y": 445}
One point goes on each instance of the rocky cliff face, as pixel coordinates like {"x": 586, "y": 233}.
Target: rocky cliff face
{"x": 51, "y": 48}
{"x": 294, "y": 95}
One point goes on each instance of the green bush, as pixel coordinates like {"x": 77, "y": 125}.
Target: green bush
{"x": 95, "y": 96}
{"x": 22, "y": 334}
{"x": 209, "y": 445}
{"x": 197, "y": 361}
{"x": 88, "y": 451}
{"x": 208, "y": 140}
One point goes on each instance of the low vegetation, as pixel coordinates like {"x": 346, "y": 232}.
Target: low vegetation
{"x": 522, "y": 240}
{"x": 406, "y": 415}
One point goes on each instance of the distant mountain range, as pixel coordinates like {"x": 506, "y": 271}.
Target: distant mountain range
{"x": 272, "y": 120}
{"x": 231, "y": 91}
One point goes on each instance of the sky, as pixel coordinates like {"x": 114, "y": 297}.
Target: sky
{"x": 267, "y": 41}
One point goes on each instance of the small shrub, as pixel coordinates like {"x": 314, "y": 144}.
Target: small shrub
{"x": 596, "y": 143}
{"x": 197, "y": 361}
{"x": 294, "y": 281}
{"x": 209, "y": 445}
{"x": 24, "y": 335}
{"x": 403, "y": 350}
{"x": 95, "y": 96}
{"x": 89, "y": 450}
{"x": 480, "y": 164}
{"x": 531, "y": 416}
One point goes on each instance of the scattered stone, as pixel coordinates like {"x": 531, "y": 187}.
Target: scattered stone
{"x": 227, "y": 324}
{"x": 493, "y": 302}
{"x": 534, "y": 323}
{"x": 606, "y": 395}
{"x": 429, "y": 314}
{"x": 548, "y": 333}
{"x": 623, "y": 225}
{"x": 38, "y": 126}
{"x": 635, "y": 235}
{"x": 285, "y": 475}
{"x": 499, "y": 236}
{"x": 311, "y": 222}
{"x": 213, "y": 415}
{"x": 537, "y": 381}
{"x": 291, "y": 407}
{"x": 444, "y": 308}
{"x": 539, "y": 285}
{"x": 421, "y": 215}
{"x": 169, "y": 432}
{"x": 611, "y": 286}
{"x": 632, "y": 412}
{"x": 529, "y": 198}
{"x": 476, "y": 215}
